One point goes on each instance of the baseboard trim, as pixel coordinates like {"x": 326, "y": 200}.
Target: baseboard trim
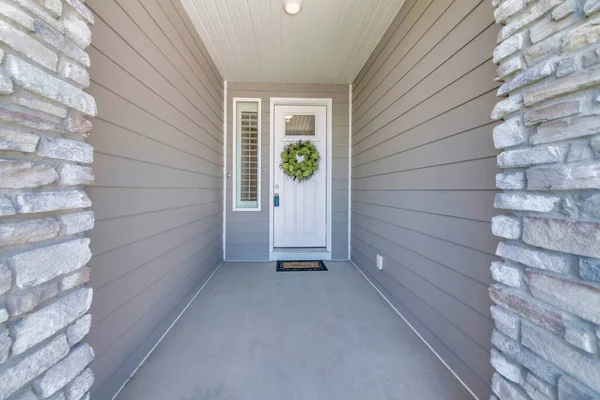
{"x": 415, "y": 331}
{"x": 166, "y": 332}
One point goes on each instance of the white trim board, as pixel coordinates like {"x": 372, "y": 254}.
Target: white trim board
{"x": 416, "y": 332}
{"x": 224, "y": 170}
{"x": 234, "y": 102}
{"x": 349, "y": 171}
{"x": 328, "y": 102}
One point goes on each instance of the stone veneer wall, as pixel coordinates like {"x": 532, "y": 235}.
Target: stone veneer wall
{"x": 44, "y": 164}
{"x": 547, "y": 290}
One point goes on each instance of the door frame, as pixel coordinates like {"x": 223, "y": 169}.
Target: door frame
{"x": 292, "y": 101}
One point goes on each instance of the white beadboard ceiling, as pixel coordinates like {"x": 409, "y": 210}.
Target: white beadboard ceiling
{"x": 256, "y": 41}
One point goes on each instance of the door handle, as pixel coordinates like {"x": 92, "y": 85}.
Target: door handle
{"x": 276, "y": 200}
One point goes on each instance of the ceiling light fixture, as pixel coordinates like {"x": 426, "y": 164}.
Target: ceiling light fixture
{"x": 292, "y": 7}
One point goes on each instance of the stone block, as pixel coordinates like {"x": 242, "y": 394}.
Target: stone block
{"x": 42, "y": 324}
{"x": 5, "y": 277}
{"x": 507, "y": 9}
{"x": 508, "y": 106}
{"x": 24, "y": 301}
{"x": 29, "y": 100}
{"x": 77, "y": 30}
{"x": 6, "y": 206}
{"x": 82, "y": 10}
{"x": 566, "y": 66}
{"x": 34, "y": 202}
{"x": 23, "y": 371}
{"x": 80, "y": 385}
{"x": 506, "y": 322}
{"x": 570, "y": 389}
{"x": 41, "y": 13}
{"x": 61, "y": 43}
{"x": 509, "y": 67}
{"x": 533, "y": 155}
{"x": 65, "y": 149}
{"x": 75, "y": 279}
{"x": 535, "y": 258}
{"x": 54, "y": 6}
{"x": 37, "y": 81}
{"x": 583, "y": 35}
{"x": 25, "y": 175}
{"x": 3, "y": 315}
{"x": 506, "y": 226}
{"x": 58, "y": 396}
{"x": 543, "y": 50}
{"x": 12, "y": 140}
{"x": 553, "y": 349}
{"x": 77, "y": 125}
{"x": 65, "y": 371}
{"x": 505, "y": 390}
{"x": 507, "y": 368}
{"x": 591, "y": 7}
{"x": 28, "y": 231}
{"x": 528, "y": 307}
{"x": 77, "y": 331}
{"x": 29, "y": 120}
{"x": 590, "y": 58}
{"x": 579, "y": 151}
{"x": 508, "y": 47}
{"x": 15, "y": 14}
{"x": 37, "y": 266}
{"x": 567, "y": 84}
{"x": 74, "y": 73}
{"x": 539, "y": 385}
{"x": 582, "y": 175}
{"x": 26, "y": 45}
{"x": 509, "y": 133}
{"x": 576, "y": 237}
{"x": 562, "y": 11}
{"x": 526, "y": 202}
{"x": 508, "y": 275}
{"x": 528, "y": 77}
{"x": 77, "y": 222}
{"x": 71, "y": 175}
{"x": 595, "y": 144}
{"x": 578, "y": 298}
{"x": 5, "y": 343}
{"x": 27, "y": 394}
{"x": 585, "y": 339}
{"x": 6, "y": 85}
{"x": 528, "y": 15}
{"x": 589, "y": 269}
{"x": 553, "y": 112}
{"x": 511, "y": 180}
{"x": 547, "y": 26}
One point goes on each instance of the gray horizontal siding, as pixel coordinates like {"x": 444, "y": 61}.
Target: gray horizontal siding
{"x": 247, "y": 233}
{"x": 158, "y": 193}
{"x": 423, "y": 176}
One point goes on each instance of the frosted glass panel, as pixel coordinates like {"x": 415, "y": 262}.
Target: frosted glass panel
{"x": 299, "y": 125}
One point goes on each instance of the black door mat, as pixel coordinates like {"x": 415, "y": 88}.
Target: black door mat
{"x": 285, "y": 266}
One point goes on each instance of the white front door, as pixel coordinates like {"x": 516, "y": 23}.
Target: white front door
{"x": 300, "y": 220}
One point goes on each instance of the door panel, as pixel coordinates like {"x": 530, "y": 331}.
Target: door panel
{"x": 301, "y": 218}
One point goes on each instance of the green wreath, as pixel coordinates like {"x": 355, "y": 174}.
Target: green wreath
{"x": 300, "y": 160}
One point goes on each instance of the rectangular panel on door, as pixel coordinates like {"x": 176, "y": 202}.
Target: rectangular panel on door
{"x": 300, "y": 220}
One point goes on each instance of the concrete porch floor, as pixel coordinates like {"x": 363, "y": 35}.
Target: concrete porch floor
{"x": 253, "y": 333}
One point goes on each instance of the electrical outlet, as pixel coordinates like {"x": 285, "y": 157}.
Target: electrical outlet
{"x": 379, "y": 262}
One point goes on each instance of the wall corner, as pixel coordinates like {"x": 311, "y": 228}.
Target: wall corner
{"x": 45, "y": 164}
{"x": 547, "y": 288}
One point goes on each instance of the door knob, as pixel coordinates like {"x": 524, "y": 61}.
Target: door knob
{"x": 276, "y": 186}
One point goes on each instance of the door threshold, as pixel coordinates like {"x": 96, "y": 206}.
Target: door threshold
{"x": 300, "y": 254}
